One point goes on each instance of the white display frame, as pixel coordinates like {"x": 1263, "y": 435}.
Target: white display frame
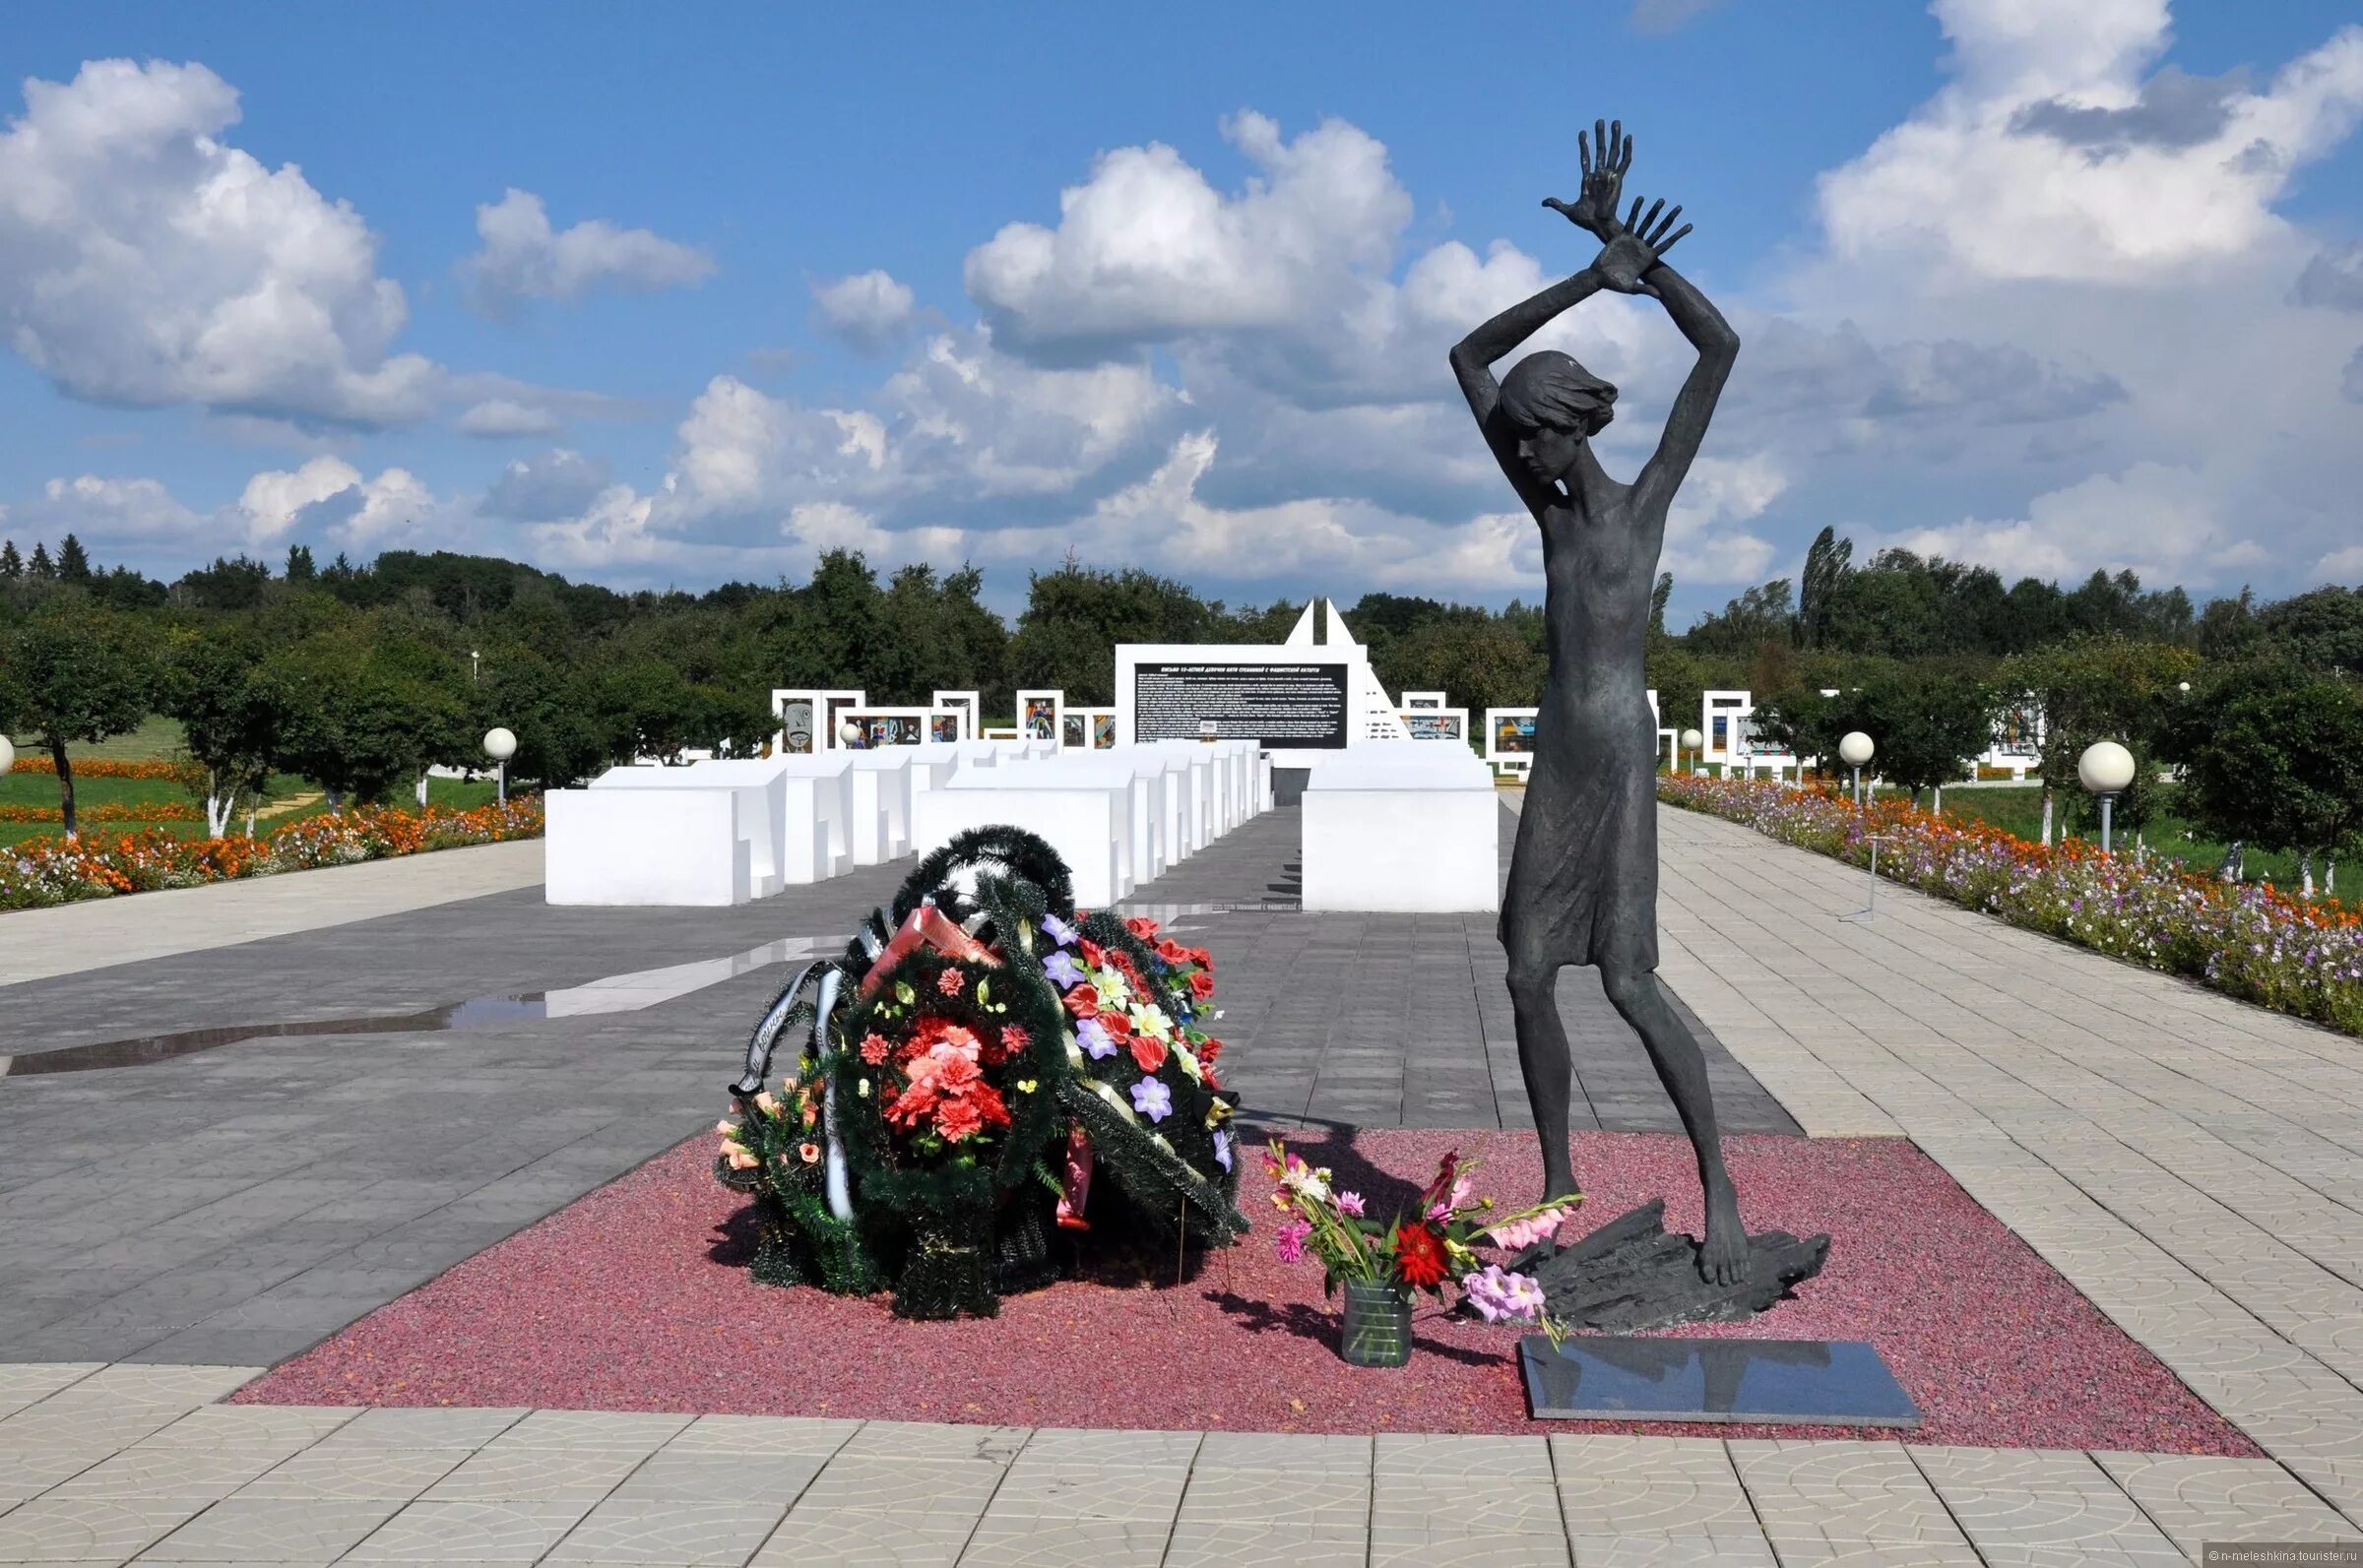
{"x": 925, "y": 718}
{"x": 1520, "y": 763}
{"x": 781, "y": 699}
{"x": 967, "y": 702}
{"x": 1427, "y": 699}
{"x": 1058, "y": 705}
{"x": 1457, "y": 719}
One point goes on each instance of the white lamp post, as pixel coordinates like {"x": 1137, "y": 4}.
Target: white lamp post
{"x": 473, "y": 657}
{"x": 1692, "y": 740}
{"x": 500, "y": 745}
{"x": 2106, "y": 769}
{"x": 849, "y": 733}
{"x": 8, "y": 755}
{"x": 1854, "y": 750}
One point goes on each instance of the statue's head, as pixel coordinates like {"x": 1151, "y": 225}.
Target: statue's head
{"x": 1553, "y": 405}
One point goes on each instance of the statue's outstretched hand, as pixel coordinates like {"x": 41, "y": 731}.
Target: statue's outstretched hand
{"x": 1595, "y": 209}
{"x": 1636, "y": 246}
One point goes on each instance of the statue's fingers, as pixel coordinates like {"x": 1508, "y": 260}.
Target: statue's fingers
{"x": 1583, "y": 150}
{"x": 1648, "y": 223}
{"x": 1633, "y": 217}
{"x": 1624, "y": 156}
{"x": 1668, "y": 245}
{"x": 1600, "y": 141}
{"x": 1664, "y": 224}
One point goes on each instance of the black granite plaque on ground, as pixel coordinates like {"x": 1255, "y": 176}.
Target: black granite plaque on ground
{"x": 1788, "y": 1382}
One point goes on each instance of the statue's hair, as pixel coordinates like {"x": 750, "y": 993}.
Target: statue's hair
{"x": 1549, "y": 390}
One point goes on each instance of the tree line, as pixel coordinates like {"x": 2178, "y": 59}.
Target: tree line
{"x": 359, "y": 677}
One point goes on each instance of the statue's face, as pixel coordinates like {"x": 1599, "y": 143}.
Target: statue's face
{"x": 1550, "y": 452}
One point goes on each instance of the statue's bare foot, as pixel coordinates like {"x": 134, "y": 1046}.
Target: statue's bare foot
{"x": 1560, "y": 1185}
{"x": 1724, "y": 1259}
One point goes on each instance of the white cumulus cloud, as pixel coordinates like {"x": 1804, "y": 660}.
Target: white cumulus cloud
{"x": 146, "y": 261}
{"x": 523, "y": 257}
{"x": 868, "y": 310}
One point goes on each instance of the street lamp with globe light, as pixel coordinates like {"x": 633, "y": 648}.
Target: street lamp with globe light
{"x": 2106, "y": 770}
{"x": 1692, "y": 740}
{"x": 1854, "y": 750}
{"x": 8, "y": 755}
{"x": 849, "y": 733}
{"x": 500, "y": 745}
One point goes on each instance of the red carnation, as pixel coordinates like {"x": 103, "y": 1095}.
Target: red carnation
{"x": 1093, "y": 955}
{"x": 1208, "y": 1051}
{"x": 1420, "y": 1257}
{"x": 1124, "y": 966}
{"x": 1148, "y": 1052}
{"x": 1201, "y": 985}
{"x": 874, "y": 1049}
{"x": 1142, "y": 926}
{"x": 1083, "y": 1002}
{"x": 950, "y": 982}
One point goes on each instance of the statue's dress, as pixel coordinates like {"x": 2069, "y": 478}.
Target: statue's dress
{"x": 1583, "y": 874}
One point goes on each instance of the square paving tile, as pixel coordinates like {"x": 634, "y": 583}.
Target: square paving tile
{"x": 453, "y": 1532}
{"x": 640, "y": 1532}
{"x": 843, "y": 1539}
{"x": 1216, "y": 1543}
{"x": 357, "y": 1472}
{"x": 497, "y": 1475}
{"x": 1067, "y": 1543}
{"x": 87, "y": 1529}
{"x": 272, "y": 1530}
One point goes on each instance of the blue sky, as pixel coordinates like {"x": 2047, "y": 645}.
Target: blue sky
{"x": 2056, "y": 292}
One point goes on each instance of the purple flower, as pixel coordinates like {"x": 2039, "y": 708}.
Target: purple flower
{"x": 1501, "y": 1296}
{"x": 1221, "y": 1149}
{"x": 1058, "y": 930}
{"x": 1349, "y": 1203}
{"x": 1290, "y": 1241}
{"x": 1094, "y": 1038}
{"x": 1152, "y": 1100}
{"x": 1062, "y": 968}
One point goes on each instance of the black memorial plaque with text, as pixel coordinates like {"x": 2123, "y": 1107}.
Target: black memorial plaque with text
{"x": 1277, "y": 705}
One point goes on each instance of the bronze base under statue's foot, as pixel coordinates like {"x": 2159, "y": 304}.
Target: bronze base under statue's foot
{"x": 1633, "y": 1274}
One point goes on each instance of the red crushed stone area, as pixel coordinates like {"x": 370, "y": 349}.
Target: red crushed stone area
{"x": 637, "y": 1299}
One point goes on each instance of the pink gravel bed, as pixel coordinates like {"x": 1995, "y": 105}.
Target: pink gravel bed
{"x": 637, "y": 1298}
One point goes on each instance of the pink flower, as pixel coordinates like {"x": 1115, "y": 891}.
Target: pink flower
{"x": 1289, "y": 1241}
{"x": 1349, "y": 1203}
{"x": 1501, "y": 1296}
{"x": 1462, "y": 1190}
{"x": 1518, "y": 1234}
{"x": 950, "y": 982}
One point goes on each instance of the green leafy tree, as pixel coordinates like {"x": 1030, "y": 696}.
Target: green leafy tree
{"x": 232, "y": 718}
{"x": 2099, "y": 688}
{"x": 72, "y": 561}
{"x": 1929, "y": 723}
{"x": 12, "y": 565}
{"x": 2272, "y": 755}
{"x": 40, "y": 566}
{"x": 74, "y": 674}
{"x": 1825, "y": 565}
{"x": 1077, "y": 615}
{"x": 299, "y": 564}
{"x": 360, "y": 717}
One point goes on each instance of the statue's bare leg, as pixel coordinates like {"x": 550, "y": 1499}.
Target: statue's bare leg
{"x": 1681, "y": 1067}
{"x": 1544, "y": 1063}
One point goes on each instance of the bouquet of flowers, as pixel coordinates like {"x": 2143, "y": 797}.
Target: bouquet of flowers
{"x": 975, "y": 1057}
{"x": 1425, "y": 1248}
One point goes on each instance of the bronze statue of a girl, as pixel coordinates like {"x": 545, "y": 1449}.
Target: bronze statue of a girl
{"x": 1583, "y": 875}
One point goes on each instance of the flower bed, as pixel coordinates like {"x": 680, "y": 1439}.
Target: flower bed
{"x": 45, "y": 872}
{"x": 109, "y": 811}
{"x": 106, "y": 768}
{"x": 2244, "y": 939}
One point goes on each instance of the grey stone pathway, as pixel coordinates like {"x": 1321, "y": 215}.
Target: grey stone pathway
{"x": 129, "y": 1464}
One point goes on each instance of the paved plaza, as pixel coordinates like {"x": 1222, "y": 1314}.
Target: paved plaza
{"x": 2193, "y": 1165}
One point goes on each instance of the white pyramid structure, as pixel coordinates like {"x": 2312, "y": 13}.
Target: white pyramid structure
{"x": 1379, "y": 720}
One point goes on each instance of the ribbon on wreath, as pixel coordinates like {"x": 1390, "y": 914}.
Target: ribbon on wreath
{"x": 1075, "y": 1189}
{"x": 926, "y": 926}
